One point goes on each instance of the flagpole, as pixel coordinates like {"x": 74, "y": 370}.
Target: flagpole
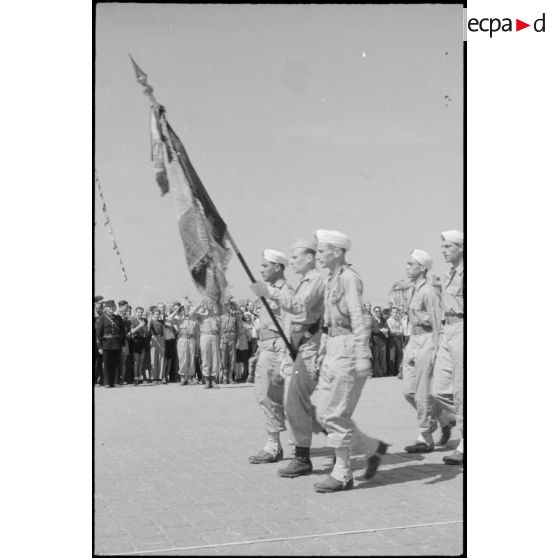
{"x": 141, "y": 77}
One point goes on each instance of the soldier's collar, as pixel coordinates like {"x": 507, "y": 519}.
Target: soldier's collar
{"x": 420, "y": 283}
{"x": 279, "y": 282}
{"x": 458, "y": 268}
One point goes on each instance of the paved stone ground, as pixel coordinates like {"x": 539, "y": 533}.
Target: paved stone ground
{"x": 172, "y": 477}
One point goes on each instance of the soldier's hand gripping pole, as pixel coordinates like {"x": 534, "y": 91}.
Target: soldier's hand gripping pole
{"x": 292, "y": 352}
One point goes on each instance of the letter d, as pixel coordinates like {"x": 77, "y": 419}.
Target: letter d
{"x": 535, "y": 27}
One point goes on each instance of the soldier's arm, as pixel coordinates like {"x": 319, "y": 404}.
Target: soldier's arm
{"x": 99, "y": 331}
{"x": 301, "y": 302}
{"x": 433, "y": 306}
{"x": 352, "y": 287}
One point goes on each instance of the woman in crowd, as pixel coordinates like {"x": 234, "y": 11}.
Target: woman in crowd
{"x": 243, "y": 349}
{"x": 138, "y": 338}
{"x": 157, "y": 345}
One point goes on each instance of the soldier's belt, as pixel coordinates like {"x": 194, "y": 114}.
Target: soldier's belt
{"x": 336, "y": 330}
{"x": 453, "y": 318}
{"x": 420, "y": 330}
{"x": 210, "y": 333}
{"x": 267, "y": 334}
{"x": 300, "y": 333}
{"x": 111, "y": 337}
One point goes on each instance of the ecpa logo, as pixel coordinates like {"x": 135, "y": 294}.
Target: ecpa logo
{"x": 494, "y": 24}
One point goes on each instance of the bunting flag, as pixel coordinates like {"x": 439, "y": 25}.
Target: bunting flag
{"x": 108, "y": 226}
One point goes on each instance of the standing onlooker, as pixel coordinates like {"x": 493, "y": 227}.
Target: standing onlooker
{"x": 395, "y": 342}
{"x": 188, "y": 333}
{"x": 229, "y": 327}
{"x": 155, "y": 328}
{"x": 110, "y": 338}
{"x": 368, "y": 325}
{"x": 209, "y": 340}
{"x": 97, "y": 359}
{"x": 242, "y": 349}
{"x": 169, "y": 335}
{"x": 380, "y": 333}
{"x": 138, "y": 338}
{"x": 125, "y": 353}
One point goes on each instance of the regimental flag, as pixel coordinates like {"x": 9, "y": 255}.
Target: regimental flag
{"x": 201, "y": 227}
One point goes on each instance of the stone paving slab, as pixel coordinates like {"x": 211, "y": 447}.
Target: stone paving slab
{"x": 171, "y": 472}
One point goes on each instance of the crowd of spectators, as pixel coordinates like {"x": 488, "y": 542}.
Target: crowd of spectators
{"x": 161, "y": 343}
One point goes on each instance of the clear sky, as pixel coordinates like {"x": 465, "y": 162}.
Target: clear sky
{"x": 296, "y": 117}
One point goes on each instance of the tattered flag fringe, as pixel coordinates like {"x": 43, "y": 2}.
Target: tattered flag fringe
{"x": 108, "y": 224}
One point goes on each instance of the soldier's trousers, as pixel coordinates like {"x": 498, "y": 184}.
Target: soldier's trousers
{"x": 418, "y": 365}
{"x": 228, "y": 355}
{"x": 209, "y": 351}
{"x": 186, "y": 348}
{"x": 337, "y": 395}
{"x": 269, "y": 384}
{"x": 447, "y": 383}
{"x": 300, "y": 382}
{"x": 111, "y": 363}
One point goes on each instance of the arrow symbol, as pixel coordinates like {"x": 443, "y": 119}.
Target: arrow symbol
{"x": 519, "y": 25}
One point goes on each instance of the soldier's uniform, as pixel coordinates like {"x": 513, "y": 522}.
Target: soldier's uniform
{"x": 209, "y": 344}
{"x": 447, "y": 385}
{"x": 111, "y": 336}
{"x": 306, "y": 307}
{"x": 268, "y": 381}
{"x": 188, "y": 335}
{"x": 424, "y": 314}
{"x": 344, "y": 371}
{"x": 229, "y": 327}
{"x": 340, "y": 386}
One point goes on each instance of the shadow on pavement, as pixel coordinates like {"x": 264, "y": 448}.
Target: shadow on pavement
{"x": 434, "y": 472}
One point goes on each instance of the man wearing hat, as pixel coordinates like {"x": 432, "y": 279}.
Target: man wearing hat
{"x": 268, "y": 382}
{"x": 111, "y": 336}
{"x": 346, "y": 364}
{"x": 424, "y": 314}
{"x": 306, "y": 306}
{"x": 209, "y": 321}
{"x": 448, "y": 371}
{"x": 123, "y": 312}
{"x": 97, "y": 358}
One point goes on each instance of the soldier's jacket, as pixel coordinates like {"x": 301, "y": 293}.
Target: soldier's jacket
{"x": 306, "y": 302}
{"x": 230, "y": 323}
{"x": 210, "y": 323}
{"x": 343, "y": 307}
{"x": 110, "y": 332}
{"x": 452, "y": 291}
{"x": 425, "y": 307}
{"x": 267, "y": 326}
{"x": 187, "y": 327}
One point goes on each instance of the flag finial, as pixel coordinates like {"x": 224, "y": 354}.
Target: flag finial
{"x": 141, "y": 78}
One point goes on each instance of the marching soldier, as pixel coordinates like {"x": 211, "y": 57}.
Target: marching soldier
{"x": 209, "y": 340}
{"x": 306, "y": 305}
{"x": 424, "y": 312}
{"x": 346, "y": 365}
{"x": 448, "y": 370}
{"x": 268, "y": 381}
{"x": 111, "y": 335}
